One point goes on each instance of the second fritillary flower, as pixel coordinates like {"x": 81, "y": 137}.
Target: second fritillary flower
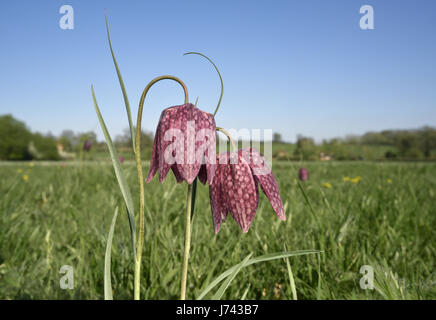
{"x": 235, "y": 188}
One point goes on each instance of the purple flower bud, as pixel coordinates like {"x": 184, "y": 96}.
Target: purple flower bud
{"x": 235, "y": 190}
{"x": 303, "y": 174}
{"x": 87, "y": 145}
{"x": 121, "y": 159}
{"x": 185, "y": 136}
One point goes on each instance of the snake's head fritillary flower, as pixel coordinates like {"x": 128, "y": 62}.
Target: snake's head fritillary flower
{"x": 87, "y": 145}
{"x": 185, "y": 139}
{"x": 303, "y": 174}
{"x": 121, "y": 158}
{"x": 235, "y": 188}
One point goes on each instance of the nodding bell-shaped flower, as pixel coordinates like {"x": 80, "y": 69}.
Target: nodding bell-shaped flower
{"x": 87, "y": 145}
{"x": 185, "y": 139}
{"x": 235, "y": 189}
{"x": 303, "y": 174}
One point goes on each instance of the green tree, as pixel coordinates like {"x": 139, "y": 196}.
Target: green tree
{"x": 18, "y": 143}
{"x": 306, "y": 148}
{"x": 277, "y": 137}
{"x": 14, "y": 139}
{"x": 45, "y": 147}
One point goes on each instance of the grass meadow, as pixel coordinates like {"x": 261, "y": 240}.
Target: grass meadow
{"x": 53, "y": 215}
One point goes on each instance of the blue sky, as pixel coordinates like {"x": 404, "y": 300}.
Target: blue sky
{"x": 295, "y": 67}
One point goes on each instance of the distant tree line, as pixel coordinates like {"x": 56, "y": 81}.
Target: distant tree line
{"x": 73, "y": 143}
{"x": 17, "y": 142}
{"x": 417, "y": 144}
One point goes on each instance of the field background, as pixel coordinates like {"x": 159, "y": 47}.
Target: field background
{"x": 62, "y": 213}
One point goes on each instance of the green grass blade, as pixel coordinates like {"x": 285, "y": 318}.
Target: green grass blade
{"x": 219, "y": 74}
{"x": 244, "y": 296}
{"x": 123, "y": 88}
{"x": 263, "y": 258}
{"x": 119, "y": 174}
{"x": 225, "y": 285}
{"x": 107, "y": 259}
{"x": 309, "y": 204}
{"x": 318, "y": 292}
{"x": 291, "y": 280}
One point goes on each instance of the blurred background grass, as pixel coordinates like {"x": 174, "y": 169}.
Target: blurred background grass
{"x": 60, "y": 215}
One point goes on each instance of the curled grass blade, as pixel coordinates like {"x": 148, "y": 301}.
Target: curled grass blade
{"x": 219, "y": 74}
{"x": 263, "y": 258}
{"x": 226, "y": 283}
{"x": 123, "y": 88}
{"x": 107, "y": 259}
{"x": 122, "y": 182}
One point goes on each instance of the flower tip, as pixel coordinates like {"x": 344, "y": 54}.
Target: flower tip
{"x": 149, "y": 177}
{"x": 190, "y": 180}
{"x": 246, "y": 227}
{"x": 217, "y": 227}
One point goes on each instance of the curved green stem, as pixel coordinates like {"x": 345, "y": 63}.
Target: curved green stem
{"x": 234, "y": 149}
{"x": 141, "y": 177}
{"x": 219, "y": 74}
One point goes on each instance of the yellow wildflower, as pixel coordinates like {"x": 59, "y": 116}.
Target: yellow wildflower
{"x": 31, "y": 164}
{"x": 25, "y": 177}
{"x": 20, "y": 170}
{"x": 346, "y": 179}
{"x": 356, "y": 179}
{"x": 389, "y": 181}
{"x": 327, "y": 185}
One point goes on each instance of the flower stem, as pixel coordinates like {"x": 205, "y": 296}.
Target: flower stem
{"x": 233, "y": 145}
{"x": 141, "y": 178}
{"x": 141, "y": 216}
{"x": 187, "y": 242}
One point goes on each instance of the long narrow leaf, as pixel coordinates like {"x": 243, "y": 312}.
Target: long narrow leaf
{"x": 244, "y": 296}
{"x": 119, "y": 174}
{"x": 107, "y": 259}
{"x": 291, "y": 280}
{"x": 123, "y": 88}
{"x": 318, "y": 292}
{"x": 266, "y": 257}
{"x": 225, "y": 284}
